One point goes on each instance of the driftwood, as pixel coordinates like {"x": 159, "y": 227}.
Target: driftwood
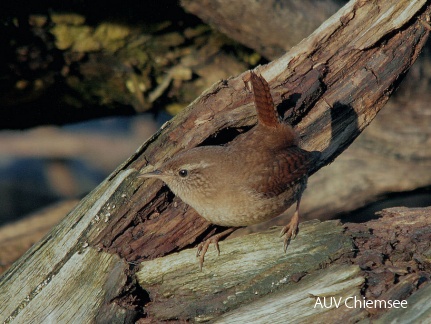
{"x": 376, "y": 163}
{"x": 18, "y": 237}
{"x": 252, "y": 280}
{"x": 248, "y": 267}
{"x": 329, "y": 87}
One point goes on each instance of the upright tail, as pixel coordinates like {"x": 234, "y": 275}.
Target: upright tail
{"x": 266, "y": 112}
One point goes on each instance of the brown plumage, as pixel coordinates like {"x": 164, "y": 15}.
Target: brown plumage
{"x": 254, "y": 178}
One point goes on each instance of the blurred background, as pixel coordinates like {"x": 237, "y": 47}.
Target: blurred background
{"x": 84, "y": 84}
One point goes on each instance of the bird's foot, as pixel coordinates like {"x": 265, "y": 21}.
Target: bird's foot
{"x": 290, "y": 230}
{"x": 203, "y": 247}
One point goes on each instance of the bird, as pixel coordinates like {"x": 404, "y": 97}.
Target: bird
{"x": 253, "y": 178}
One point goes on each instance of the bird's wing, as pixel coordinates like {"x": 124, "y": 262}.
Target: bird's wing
{"x": 282, "y": 171}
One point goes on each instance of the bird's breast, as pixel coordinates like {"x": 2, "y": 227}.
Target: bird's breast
{"x": 243, "y": 207}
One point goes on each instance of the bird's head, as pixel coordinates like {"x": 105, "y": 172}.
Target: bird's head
{"x": 187, "y": 174}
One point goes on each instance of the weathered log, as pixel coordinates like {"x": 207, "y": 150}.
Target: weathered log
{"x": 16, "y": 238}
{"x": 328, "y": 114}
{"x": 381, "y": 260}
{"x": 248, "y": 267}
{"x": 329, "y": 87}
{"x": 376, "y": 163}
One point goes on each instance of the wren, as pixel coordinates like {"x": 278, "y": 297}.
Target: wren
{"x": 251, "y": 179}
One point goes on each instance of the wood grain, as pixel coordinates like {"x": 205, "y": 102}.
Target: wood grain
{"x": 330, "y": 87}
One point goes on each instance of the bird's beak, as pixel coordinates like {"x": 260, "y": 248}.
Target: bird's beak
{"x": 152, "y": 174}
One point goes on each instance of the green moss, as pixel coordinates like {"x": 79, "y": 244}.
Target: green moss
{"x": 123, "y": 64}
{"x": 112, "y": 36}
{"x": 77, "y": 38}
{"x": 175, "y": 108}
{"x": 67, "y": 19}
{"x": 71, "y": 34}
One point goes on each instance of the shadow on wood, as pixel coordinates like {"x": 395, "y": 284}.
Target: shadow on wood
{"x": 355, "y": 59}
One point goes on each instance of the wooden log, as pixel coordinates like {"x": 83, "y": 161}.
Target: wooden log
{"x": 329, "y": 87}
{"x": 327, "y": 113}
{"x": 16, "y": 238}
{"x": 327, "y": 265}
{"x": 248, "y": 267}
{"x": 305, "y": 302}
{"x": 40, "y": 285}
{"x": 381, "y": 160}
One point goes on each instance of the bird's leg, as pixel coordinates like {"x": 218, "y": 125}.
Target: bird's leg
{"x": 203, "y": 247}
{"x": 291, "y": 229}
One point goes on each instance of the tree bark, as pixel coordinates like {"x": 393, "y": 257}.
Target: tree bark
{"x": 329, "y": 87}
{"x": 376, "y": 164}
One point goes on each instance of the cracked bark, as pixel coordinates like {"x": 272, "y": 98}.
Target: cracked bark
{"x": 326, "y": 87}
{"x": 377, "y": 165}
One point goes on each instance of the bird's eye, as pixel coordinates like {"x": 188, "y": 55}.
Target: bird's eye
{"x": 183, "y": 173}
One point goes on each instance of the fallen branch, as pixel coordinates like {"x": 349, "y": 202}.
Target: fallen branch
{"x": 329, "y": 87}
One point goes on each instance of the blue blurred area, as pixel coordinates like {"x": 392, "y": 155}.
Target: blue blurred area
{"x": 25, "y": 187}
{"x": 41, "y": 166}
{"x": 117, "y": 125}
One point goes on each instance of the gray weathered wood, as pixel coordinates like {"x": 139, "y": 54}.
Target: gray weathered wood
{"x": 247, "y": 268}
{"x": 130, "y": 220}
{"x": 381, "y": 260}
{"x": 62, "y": 279}
{"x": 303, "y": 302}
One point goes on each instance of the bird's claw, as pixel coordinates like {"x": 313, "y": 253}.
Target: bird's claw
{"x": 290, "y": 231}
{"x": 203, "y": 247}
